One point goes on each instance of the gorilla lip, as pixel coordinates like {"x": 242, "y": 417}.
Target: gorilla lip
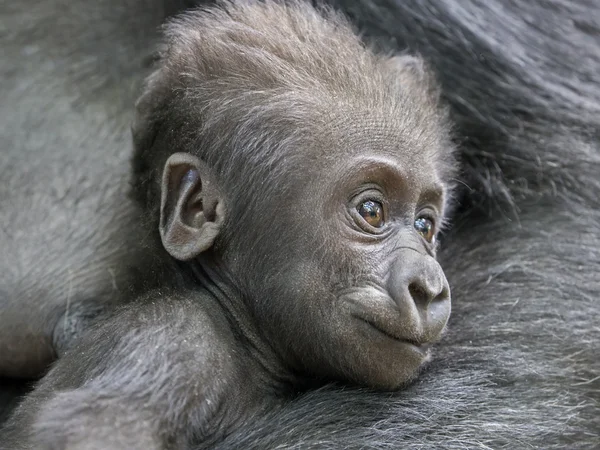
{"x": 423, "y": 347}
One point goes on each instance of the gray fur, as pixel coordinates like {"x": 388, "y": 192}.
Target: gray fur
{"x": 68, "y": 88}
{"x": 519, "y": 367}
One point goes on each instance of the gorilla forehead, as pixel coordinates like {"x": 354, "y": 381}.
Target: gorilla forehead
{"x": 348, "y": 144}
{"x": 399, "y": 133}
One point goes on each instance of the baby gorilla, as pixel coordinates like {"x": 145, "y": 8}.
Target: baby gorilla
{"x": 295, "y": 182}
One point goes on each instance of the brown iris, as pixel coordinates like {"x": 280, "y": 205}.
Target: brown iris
{"x": 372, "y": 212}
{"x": 425, "y": 228}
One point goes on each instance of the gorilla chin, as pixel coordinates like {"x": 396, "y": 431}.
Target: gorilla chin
{"x": 389, "y": 363}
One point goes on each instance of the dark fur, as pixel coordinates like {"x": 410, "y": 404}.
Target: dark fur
{"x": 519, "y": 368}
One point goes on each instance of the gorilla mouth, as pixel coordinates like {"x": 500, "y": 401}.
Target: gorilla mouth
{"x": 422, "y": 346}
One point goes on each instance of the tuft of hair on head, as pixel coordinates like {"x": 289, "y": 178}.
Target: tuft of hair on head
{"x": 238, "y": 81}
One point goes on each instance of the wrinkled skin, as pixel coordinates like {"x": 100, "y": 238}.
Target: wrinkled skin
{"x": 518, "y": 367}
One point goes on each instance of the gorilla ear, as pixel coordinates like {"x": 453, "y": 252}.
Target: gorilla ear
{"x": 413, "y": 72}
{"x": 191, "y": 211}
{"x": 412, "y": 64}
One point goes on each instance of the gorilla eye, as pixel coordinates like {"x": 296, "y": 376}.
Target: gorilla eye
{"x": 372, "y": 212}
{"x": 425, "y": 228}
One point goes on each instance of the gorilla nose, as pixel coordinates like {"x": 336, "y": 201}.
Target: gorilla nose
{"x": 426, "y": 287}
{"x": 419, "y": 287}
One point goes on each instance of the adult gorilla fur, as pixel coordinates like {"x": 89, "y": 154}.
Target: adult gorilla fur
{"x": 519, "y": 367}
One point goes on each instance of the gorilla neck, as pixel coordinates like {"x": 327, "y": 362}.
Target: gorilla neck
{"x": 227, "y": 296}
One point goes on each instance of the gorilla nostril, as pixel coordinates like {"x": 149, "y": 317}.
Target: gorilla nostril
{"x": 419, "y": 295}
{"x": 423, "y": 295}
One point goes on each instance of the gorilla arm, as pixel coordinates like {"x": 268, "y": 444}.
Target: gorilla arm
{"x": 155, "y": 375}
